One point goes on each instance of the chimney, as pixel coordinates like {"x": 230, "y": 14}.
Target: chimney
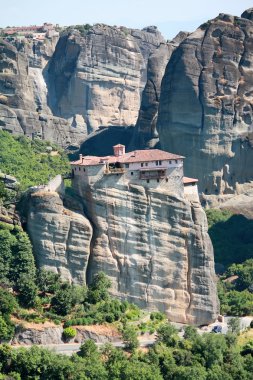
{"x": 81, "y": 157}
{"x": 119, "y": 150}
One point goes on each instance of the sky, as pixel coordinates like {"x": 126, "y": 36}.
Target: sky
{"x": 169, "y": 16}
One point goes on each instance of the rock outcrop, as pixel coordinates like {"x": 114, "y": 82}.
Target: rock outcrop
{"x": 145, "y": 133}
{"x": 63, "y": 91}
{"x": 155, "y": 248}
{"x": 96, "y": 78}
{"x": 23, "y": 96}
{"x": 60, "y": 237}
{"x": 205, "y": 110}
{"x": 47, "y": 334}
{"x": 152, "y": 244}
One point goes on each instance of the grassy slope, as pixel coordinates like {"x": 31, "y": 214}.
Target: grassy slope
{"x": 29, "y": 161}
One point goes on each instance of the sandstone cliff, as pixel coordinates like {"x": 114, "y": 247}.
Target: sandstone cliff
{"x": 96, "y": 78}
{"x": 205, "y": 110}
{"x": 60, "y": 237}
{"x": 152, "y": 244}
{"x": 62, "y": 91}
{"x": 155, "y": 248}
{"x": 24, "y": 92}
{"x": 145, "y": 132}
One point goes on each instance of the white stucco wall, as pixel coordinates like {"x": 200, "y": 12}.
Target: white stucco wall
{"x": 152, "y": 164}
{"x": 191, "y": 192}
{"x": 172, "y": 181}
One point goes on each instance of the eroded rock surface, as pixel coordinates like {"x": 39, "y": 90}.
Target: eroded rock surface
{"x": 206, "y": 102}
{"x": 155, "y": 248}
{"x": 97, "y": 77}
{"x": 23, "y": 96}
{"x": 60, "y": 237}
{"x": 145, "y": 133}
{"x": 63, "y": 91}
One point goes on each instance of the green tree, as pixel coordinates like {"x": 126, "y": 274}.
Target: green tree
{"x": 5, "y": 331}
{"x": 6, "y": 244}
{"x": 89, "y": 350}
{"x": 115, "y": 361}
{"x": 62, "y": 301}
{"x": 135, "y": 370}
{"x": 234, "y": 325}
{"x": 98, "y": 289}
{"x": 130, "y": 338}
{"x": 167, "y": 334}
{"x": 27, "y": 291}
{"x": 23, "y": 270}
{"x": 48, "y": 281}
{"x": 7, "y": 302}
{"x": 190, "y": 373}
{"x": 190, "y": 333}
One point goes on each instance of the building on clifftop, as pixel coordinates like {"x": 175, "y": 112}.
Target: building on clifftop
{"x": 151, "y": 168}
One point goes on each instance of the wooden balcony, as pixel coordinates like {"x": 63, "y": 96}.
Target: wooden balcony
{"x": 152, "y": 174}
{"x": 114, "y": 171}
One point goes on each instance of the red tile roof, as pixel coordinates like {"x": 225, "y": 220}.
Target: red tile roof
{"x": 189, "y": 180}
{"x": 135, "y": 156}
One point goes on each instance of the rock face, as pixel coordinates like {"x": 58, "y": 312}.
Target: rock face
{"x": 96, "y": 78}
{"x": 46, "y": 335}
{"x": 154, "y": 247}
{"x": 145, "y": 133}
{"x": 61, "y": 237}
{"x": 43, "y": 335}
{"x": 63, "y": 91}
{"x": 23, "y": 96}
{"x": 205, "y": 110}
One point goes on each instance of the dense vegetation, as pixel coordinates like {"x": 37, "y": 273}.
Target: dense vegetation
{"x": 30, "y": 161}
{"x": 17, "y": 271}
{"x": 206, "y": 357}
{"x": 231, "y": 236}
{"x": 49, "y": 297}
{"x": 232, "y": 239}
{"x": 236, "y": 289}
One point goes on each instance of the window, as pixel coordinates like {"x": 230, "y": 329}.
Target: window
{"x": 170, "y": 162}
{"x": 142, "y": 164}
{"x": 75, "y": 169}
{"x": 127, "y": 165}
{"x": 146, "y": 164}
{"x": 160, "y": 162}
{"x": 176, "y": 161}
{"x": 147, "y": 180}
{"x": 79, "y": 168}
{"x": 132, "y": 173}
{"x": 167, "y": 179}
{"x": 157, "y": 162}
{"x": 157, "y": 180}
{"x": 84, "y": 169}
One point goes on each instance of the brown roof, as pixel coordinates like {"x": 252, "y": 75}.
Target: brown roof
{"x": 135, "y": 156}
{"x": 149, "y": 155}
{"x": 189, "y": 180}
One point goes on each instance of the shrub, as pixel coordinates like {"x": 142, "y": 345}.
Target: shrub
{"x": 157, "y": 315}
{"x": 69, "y": 333}
{"x": 130, "y": 338}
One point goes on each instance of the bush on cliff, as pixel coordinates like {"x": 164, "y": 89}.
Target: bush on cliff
{"x": 69, "y": 333}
